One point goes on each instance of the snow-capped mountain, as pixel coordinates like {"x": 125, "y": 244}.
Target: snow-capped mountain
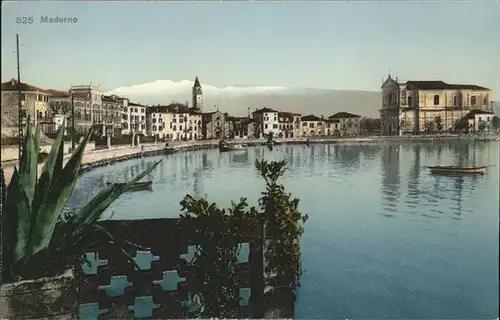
{"x": 238, "y": 99}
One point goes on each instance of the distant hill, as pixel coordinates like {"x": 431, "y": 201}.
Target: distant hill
{"x": 237, "y": 99}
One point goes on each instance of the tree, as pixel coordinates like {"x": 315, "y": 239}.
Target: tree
{"x": 481, "y": 126}
{"x": 369, "y": 126}
{"x": 429, "y": 127}
{"x": 60, "y": 107}
{"x": 461, "y": 125}
{"x": 495, "y": 123}
{"x": 439, "y": 123}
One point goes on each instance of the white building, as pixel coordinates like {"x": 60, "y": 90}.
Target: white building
{"x": 134, "y": 116}
{"x": 289, "y": 124}
{"x": 60, "y": 120}
{"x": 267, "y": 120}
{"x": 480, "y": 121}
{"x": 174, "y": 122}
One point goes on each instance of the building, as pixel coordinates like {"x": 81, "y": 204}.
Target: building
{"x": 197, "y": 95}
{"x": 34, "y": 100}
{"x": 267, "y": 122}
{"x": 480, "y": 121}
{"x": 289, "y": 124}
{"x": 89, "y": 109}
{"x": 61, "y": 110}
{"x": 134, "y": 118}
{"x": 428, "y": 106}
{"x": 174, "y": 122}
{"x": 311, "y": 125}
{"x": 342, "y": 124}
{"x": 112, "y": 107}
{"x": 241, "y": 127}
{"x": 216, "y": 125}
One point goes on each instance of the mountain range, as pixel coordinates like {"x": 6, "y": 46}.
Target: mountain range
{"x": 238, "y": 100}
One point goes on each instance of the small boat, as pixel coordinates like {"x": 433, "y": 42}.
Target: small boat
{"x": 226, "y": 147}
{"x": 138, "y": 186}
{"x": 168, "y": 150}
{"x": 458, "y": 170}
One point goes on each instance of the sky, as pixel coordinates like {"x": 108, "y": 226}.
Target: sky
{"x": 332, "y": 45}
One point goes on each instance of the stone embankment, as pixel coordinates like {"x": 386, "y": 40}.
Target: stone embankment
{"x": 103, "y": 157}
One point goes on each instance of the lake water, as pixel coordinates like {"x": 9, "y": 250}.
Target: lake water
{"x": 384, "y": 240}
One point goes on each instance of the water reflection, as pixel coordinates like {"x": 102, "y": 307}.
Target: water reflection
{"x": 390, "y": 179}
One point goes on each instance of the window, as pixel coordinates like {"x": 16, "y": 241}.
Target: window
{"x": 304, "y": 124}
{"x": 485, "y": 101}
{"x": 180, "y": 128}
{"x": 175, "y": 128}
{"x": 275, "y": 126}
{"x": 174, "y": 120}
{"x": 488, "y": 119}
{"x": 170, "y": 125}
{"x": 320, "y": 124}
{"x": 311, "y": 125}
{"x": 154, "y": 120}
{"x": 436, "y": 100}
{"x": 265, "y": 126}
{"x": 409, "y": 101}
{"x": 473, "y": 101}
{"x": 154, "y": 128}
{"x": 455, "y": 101}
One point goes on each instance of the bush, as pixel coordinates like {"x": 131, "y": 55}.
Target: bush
{"x": 215, "y": 262}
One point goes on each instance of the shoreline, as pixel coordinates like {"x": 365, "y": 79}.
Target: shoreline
{"x": 106, "y": 157}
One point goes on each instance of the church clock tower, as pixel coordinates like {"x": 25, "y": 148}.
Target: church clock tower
{"x": 197, "y": 95}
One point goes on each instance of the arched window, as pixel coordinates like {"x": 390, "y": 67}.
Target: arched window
{"x": 436, "y": 100}
{"x": 472, "y": 101}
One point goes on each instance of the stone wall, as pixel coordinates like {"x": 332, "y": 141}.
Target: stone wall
{"x": 11, "y": 153}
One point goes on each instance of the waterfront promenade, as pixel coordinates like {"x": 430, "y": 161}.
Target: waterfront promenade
{"x": 106, "y": 156}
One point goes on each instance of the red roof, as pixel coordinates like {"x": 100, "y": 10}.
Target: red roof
{"x": 441, "y": 85}
{"x": 12, "y": 86}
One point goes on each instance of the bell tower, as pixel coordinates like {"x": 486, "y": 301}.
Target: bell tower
{"x": 197, "y": 95}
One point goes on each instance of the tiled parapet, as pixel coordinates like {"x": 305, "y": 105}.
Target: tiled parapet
{"x": 110, "y": 287}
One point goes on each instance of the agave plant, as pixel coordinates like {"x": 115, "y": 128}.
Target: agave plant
{"x": 36, "y": 240}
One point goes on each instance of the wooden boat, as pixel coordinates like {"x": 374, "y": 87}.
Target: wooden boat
{"x": 168, "y": 150}
{"x": 138, "y": 186}
{"x": 458, "y": 170}
{"x": 273, "y": 143}
{"x": 226, "y": 147}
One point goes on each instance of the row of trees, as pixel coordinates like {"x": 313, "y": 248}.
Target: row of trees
{"x": 371, "y": 126}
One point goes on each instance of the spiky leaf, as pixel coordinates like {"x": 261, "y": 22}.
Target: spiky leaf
{"x": 50, "y": 171}
{"x": 58, "y": 195}
{"x": 28, "y": 163}
{"x": 16, "y": 220}
{"x": 94, "y": 209}
{"x": 92, "y": 212}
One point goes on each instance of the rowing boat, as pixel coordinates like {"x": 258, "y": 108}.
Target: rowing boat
{"x": 138, "y": 186}
{"x": 458, "y": 170}
{"x": 223, "y": 148}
